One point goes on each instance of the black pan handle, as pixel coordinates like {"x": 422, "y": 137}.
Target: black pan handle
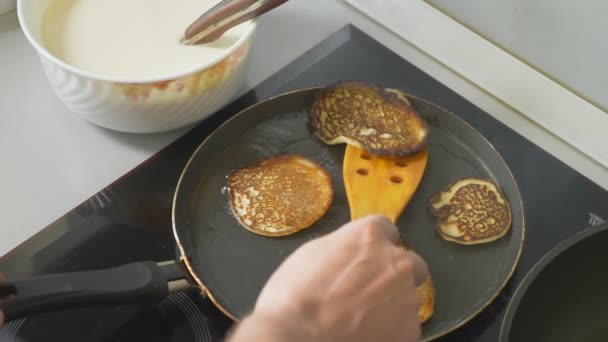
{"x": 127, "y": 284}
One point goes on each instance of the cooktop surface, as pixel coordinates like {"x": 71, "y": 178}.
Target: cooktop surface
{"x": 130, "y": 220}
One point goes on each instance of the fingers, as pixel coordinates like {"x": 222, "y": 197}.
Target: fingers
{"x": 388, "y": 229}
{"x": 371, "y": 227}
{"x": 407, "y": 259}
{"x": 421, "y": 269}
{"x": 410, "y": 262}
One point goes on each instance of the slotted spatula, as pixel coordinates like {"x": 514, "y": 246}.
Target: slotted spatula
{"x": 380, "y": 185}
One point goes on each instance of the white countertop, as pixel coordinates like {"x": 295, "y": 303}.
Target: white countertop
{"x": 52, "y": 160}
{"x": 562, "y": 38}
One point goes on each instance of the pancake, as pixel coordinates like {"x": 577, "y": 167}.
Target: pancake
{"x": 280, "y": 195}
{"x": 426, "y": 296}
{"x": 471, "y": 211}
{"x": 367, "y": 116}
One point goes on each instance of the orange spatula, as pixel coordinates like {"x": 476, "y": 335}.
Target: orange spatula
{"x": 381, "y": 185}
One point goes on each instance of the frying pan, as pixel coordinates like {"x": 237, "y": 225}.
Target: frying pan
{"x": 564, "y": 297}
{"x": 231, "y": 264}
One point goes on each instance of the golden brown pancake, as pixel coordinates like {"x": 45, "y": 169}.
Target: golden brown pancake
{"x": 426, "y": 296}
{"x": 399, "y": 94}
{"x": 376, "y": 120}
{"x": 280, "y": 195}
{"x": 471, "y": 211}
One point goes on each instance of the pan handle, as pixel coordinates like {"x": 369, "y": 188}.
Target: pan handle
{"x": 127, "y": 284}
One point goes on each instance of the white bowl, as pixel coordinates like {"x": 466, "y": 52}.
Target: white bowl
{"x": 140, "y": 105}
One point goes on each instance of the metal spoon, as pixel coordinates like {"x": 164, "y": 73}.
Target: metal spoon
{"x": 223, "y": 16}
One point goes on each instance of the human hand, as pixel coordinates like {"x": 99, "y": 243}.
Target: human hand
{"x": 353, "y": 284}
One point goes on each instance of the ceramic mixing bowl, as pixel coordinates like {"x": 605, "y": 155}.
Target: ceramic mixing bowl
{"x": 140, "y": 105}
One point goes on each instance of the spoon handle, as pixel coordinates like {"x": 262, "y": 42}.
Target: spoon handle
{"x": 223, "y": 16}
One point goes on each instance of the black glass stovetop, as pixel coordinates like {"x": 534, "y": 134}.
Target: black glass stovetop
{"x": 130, "y": 219}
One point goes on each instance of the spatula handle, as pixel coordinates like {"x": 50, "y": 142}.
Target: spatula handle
{"x": 224, "y": 16}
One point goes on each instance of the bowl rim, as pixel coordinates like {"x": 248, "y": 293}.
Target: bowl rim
{"x": 41, "y": 49}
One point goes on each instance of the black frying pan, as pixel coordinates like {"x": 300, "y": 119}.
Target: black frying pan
{"x": 231, "y": 265}
{"x": 564, "y": 297}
